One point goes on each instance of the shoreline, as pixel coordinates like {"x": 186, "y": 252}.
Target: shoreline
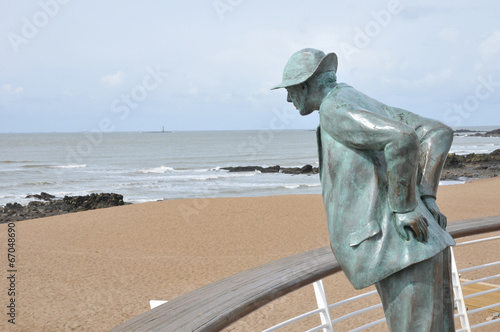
{"x": 13, "y": 212}
{"x": 43, "y": 207}
{"x": 466, "y": 168}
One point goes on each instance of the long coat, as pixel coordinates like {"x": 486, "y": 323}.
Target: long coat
{"x": 358, "y": 146}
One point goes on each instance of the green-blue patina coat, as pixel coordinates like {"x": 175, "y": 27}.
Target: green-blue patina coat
{"x": 353, "y": 172}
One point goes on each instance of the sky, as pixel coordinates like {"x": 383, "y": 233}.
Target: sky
{"x": 123, "y": 65}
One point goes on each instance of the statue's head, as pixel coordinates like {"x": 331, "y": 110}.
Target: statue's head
{"x": 304, "y": 76}
{"x": 306, "y": 63}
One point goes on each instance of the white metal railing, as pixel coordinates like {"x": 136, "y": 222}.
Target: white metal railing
{"x": 459, "y": 296}
{"x": 467, "y": 327}
{"x": 327, "y": 323}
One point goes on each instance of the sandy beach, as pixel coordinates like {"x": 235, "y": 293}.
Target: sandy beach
{"x": 93, "y": 270}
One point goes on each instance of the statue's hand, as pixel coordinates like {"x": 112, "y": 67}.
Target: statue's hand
{"x": 411, "y": 221}
{"x": 430, "y": 203}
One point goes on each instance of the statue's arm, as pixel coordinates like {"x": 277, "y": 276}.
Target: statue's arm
{"x": 360, "y": 129}
{"x": 435, "y": 142}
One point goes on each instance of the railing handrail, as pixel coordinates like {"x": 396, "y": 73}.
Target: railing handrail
{"x": 219, "y": 304}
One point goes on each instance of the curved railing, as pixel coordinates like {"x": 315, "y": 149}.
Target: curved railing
{"x": 217, "y": 305}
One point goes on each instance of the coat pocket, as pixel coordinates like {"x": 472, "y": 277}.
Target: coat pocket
{"x": 367, "y": 231}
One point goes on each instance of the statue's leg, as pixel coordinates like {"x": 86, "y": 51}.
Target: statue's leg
{"x": 418, "y": 298}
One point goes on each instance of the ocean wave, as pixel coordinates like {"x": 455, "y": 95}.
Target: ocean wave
{"x": 70, "y": 166}
{"x": 223, "y": 176}
{"x": 301, "y": 185}
{"x": 37, "y": 166}
{"x": 157, "y": 170}
{"x": 199, "y": 170}
{"x": 17, "y": 161}
{"x": 39, "y": 183}
{"x": 144, "y": 200}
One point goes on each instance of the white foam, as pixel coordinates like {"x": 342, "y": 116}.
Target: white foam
{"x": 450, "y": 182}
{"x": 71, "y": 166}
{"x": 157, "y": 170}
{"x": 223, "y": 176}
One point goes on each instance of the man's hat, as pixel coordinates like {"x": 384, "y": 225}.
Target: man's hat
{"x": 304, "y": 64}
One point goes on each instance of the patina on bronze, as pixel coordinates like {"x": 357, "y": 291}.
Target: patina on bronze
{"x": 379, "y": 168}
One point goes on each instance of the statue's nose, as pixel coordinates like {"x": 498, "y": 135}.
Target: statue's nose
{"x": 288, "y": 99}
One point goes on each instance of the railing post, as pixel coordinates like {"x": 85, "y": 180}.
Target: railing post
{"x": 319, "y": 290}
{"x": 459, "y": 296}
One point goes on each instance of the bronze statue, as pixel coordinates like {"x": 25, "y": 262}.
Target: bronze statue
{"x": 379, "y": 171}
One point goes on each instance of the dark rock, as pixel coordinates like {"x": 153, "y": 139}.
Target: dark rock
{"x": 291, "y": 170}
{"x": 306, "y": 169}
{"x": 12, "y": 208}
{"x": 38, "y": 209}
{"x": 464, "y": 131}
{"x": 492, "y": 133}
{"x": 42, "y": 196}
{"x": 271, "y": 169}
{"x": 474, "y": 165}
{"x": 454, "y": 161}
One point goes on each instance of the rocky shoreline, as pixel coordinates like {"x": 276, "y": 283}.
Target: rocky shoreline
{"x": 492, "y": 133}
{"x": 49, "y": 206}
{"x": 306, "y": 169}
{"x": 457, "y": 167}
{"x": 472, "y": 166}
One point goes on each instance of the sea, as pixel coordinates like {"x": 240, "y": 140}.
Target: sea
{"x": 151, "y": 166}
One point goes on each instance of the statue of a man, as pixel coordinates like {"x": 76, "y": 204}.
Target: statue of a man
{"x": 379, "y": 169}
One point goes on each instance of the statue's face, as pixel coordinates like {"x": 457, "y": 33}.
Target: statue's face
{"x": 298, "y": 95}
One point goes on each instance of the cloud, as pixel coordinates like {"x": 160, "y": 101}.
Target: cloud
{"x": 491, "y": 46}
{"x": 9, "y": 89}
{"x": 439, "y": 78}
{"x": 451, "y": 35}
{"x": 113, "y": 79}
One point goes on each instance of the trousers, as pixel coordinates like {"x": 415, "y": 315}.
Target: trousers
{"x": 419, "y": 298}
